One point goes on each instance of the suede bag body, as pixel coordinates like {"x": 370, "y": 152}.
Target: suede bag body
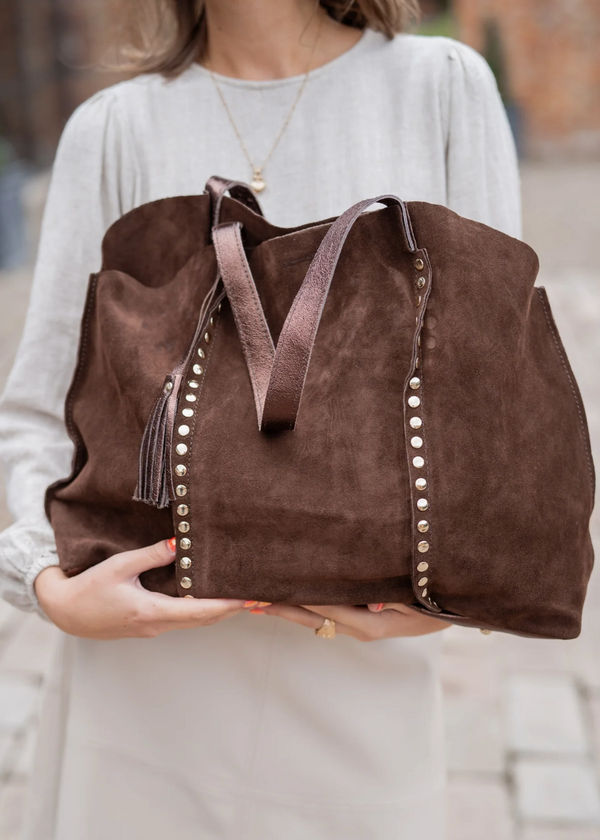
{"x": 435, "y": 454}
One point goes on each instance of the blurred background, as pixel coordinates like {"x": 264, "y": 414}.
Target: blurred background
{"x": 523, "y": 716}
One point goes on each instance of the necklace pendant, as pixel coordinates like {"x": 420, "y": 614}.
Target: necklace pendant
{"x": 257, "y": 183}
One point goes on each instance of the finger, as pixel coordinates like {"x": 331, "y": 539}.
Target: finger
{"x": 357, "y": 618}
{"x": 306, "y": 618}
{"x": 201, "y": 621}
{"x": 367, "y": 625}
{"x": 192, "y": 611}
{"x": 413, "y": 622}
{"x": 401, "y": 608}
{"x": 139, "y": 560}
{"x": 296, "y": 614}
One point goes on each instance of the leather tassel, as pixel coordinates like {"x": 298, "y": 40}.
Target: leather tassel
{"x": 155, "y": 482}
{"x": 155, "y": 471}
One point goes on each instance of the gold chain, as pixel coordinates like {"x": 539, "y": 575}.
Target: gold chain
{"x": 258, "y": 184}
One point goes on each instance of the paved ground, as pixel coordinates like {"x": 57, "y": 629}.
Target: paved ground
{"x": 523, "y": 717}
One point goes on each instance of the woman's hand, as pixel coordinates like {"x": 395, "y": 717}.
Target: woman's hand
{"x": 378, "y": 621}
{"x": 109, "y": 602}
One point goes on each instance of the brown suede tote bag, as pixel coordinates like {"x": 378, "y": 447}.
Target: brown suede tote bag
{"x": 373, "y": 408}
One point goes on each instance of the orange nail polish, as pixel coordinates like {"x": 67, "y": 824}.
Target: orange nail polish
{"x": 257, "y": 612}
{"x": 379, "y": 607}
{"x": 172, "y": 543}
{"x": 264, "y": 603}
{"x": 250, "y": 603}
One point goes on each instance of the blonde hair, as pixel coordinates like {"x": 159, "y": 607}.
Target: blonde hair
{"x": 167, "y": 36}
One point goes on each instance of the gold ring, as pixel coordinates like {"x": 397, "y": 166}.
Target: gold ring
{"x": 327, "y": 629}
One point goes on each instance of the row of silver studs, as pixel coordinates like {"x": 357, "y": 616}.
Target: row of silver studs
{"x": 182, "y": 449}
{"x": 417, "y": 442}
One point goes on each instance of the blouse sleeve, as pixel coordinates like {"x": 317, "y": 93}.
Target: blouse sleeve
{"x": 481, "y": 162}
{"x": 92, "y": 180}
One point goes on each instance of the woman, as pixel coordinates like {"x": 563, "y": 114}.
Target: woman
{"x": 251, "y": 727}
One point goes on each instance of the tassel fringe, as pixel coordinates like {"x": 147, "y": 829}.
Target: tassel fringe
{"x": 155, "y": 471}
{"x": 155, "y": 483}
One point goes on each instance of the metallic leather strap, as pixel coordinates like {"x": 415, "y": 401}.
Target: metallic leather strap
{"x": 278, "y": 376}
{"x": 248, "y": 313}
{"x": 297, "y": 338}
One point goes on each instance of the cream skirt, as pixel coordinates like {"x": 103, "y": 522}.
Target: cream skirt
{"x": 253, "y": 729}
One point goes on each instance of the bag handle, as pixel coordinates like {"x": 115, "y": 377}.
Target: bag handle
{"x": 248, "y": 313}
{"x": 278, "y": 375}
{"x": 216, "y": 187}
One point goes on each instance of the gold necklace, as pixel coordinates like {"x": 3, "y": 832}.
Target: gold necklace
{"x": 258, "y": 182}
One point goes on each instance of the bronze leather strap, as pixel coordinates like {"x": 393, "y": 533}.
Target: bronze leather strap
{"x": 296, "y": 341}
{"x": 217, "y": 187}
{"x": 250, "y": 321}
{"x": 278, "y": 376}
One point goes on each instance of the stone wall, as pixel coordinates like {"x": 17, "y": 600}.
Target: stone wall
{"x": 30, "y": 96}
{"x": 49, "y": 54}
{"x": 552, "y": 61}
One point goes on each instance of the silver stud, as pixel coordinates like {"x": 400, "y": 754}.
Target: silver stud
{"x": 183, "y": 430}
{"x": 168, "y": 386}
{"x": 485, "y": 631}
{"x": 188, "y": 596}
{"x": 180, "y": 470}
{"x": 419, "y": 264}
{"x": 416, "y": 442}
{"x": 415, "y": 422}
{"x": 421, "y": 484}
{"x": 181, "y": 449}
{"x": 421, "y": 282}
{"x": 424, "y": 593}
{"x": 198, "y": 370}
{"x": 212, "y": 321}
{"x": 422, "y": 504}
{"x": 418, "y": 462}
{"x": 418, "y": 300}
{"x": 184, "y": 527}
{"x": 185, "y": 543}
{"x": 417, "y": 363}
{"x": 181, "y": 490}
{"x": 207, "y": 337}
{"x": 423, "y": 526}
{"x": 187, "y": 412}
{"x": 423, "y": 547}
{"x": 183, "y": 510}
{"x": 190, "y": 397}
{"x": 423, "y": 581}
{"x": 185, "y": 563}
{"x": 193, "y": 384}
{"x": 423, "y": 566}
{"x": 415, "y": 383}
{"x": 201, "y": 353}
{"x": 186, "y": 582}
{"x": 414, "y": 402}
{"x": 219, "y": 307}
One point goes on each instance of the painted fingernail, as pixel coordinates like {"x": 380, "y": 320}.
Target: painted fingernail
{"x": 257, "y": 612}
{"x": 172, "y": 543}
{"x": 379, "y": 607}
{"x": 250, "y": 604}
{"x": 264, "y": 603}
